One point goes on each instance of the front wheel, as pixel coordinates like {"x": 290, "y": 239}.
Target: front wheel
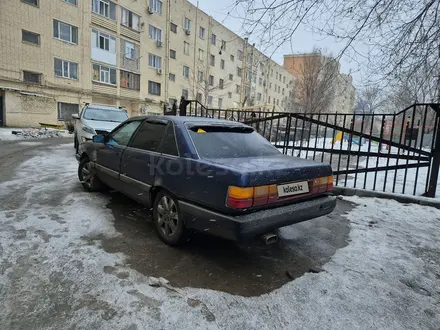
{"x": 168, "y": 220}
{"x": 87, "y": 175}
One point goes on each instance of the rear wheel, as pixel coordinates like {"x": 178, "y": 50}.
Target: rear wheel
{"x": 87, "y": 175}
{"x": 168, "y": 220}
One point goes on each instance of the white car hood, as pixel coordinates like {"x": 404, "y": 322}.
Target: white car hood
{"x": 100, "y": 125}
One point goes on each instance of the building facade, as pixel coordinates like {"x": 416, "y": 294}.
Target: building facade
{"x": 342, "y": 84}
{"x": 57, "y": 55}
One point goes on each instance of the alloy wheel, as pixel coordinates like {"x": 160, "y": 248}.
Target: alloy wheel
{"x": 167, "y": 216}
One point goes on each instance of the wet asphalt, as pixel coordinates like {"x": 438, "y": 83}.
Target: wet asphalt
{"x": 205, "y": 262}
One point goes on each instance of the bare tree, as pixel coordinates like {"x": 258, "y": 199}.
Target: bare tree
{"x": 370, "y": 99}
{"x": 399, "y": 37}
{"x": 315, "y": 87}
{"x": 204, "y": 84}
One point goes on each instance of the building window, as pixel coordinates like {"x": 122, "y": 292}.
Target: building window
{"x": 276, "y": 75}
{"x": 129, "y": 19}
{"x": 211, "y": 81}
{"x": 260, "y": 81}
{"x": 210, "y": 100}
{"x": 105, "y": 8}
{"x": 31, "y": 2}
{"x": 199, "y": 97}
{"x": 156, "y": 6}
{"x": 231, "y": 77}
{"x": 284, "y": 80}
{"x": 239, "y": 72}
{"x": 130, "y": 50}
{"x": 274, "y": 101}
{"x": 187, "y": 24}
{"x": 172, "y": 77}
{"x": 213, "y": 39}
{"x": 283, "y": 91}
{"x": 66, "y": 110}
{"x": 104, "y": 74}
{"x": 268, "y": 99}
{"x": 65, "y": 32}
{"x": 173, "y": 27}
{"x": 279, "y": 91}
{"x": 201, "y": 76}
{"x": 186, "y": 47}
{"x": 229, "y": 95}
{"x": 212, "y": 60}
{"x": 32, "y": 77}
{"x": 103, "y": 41}
{"x": 154, "y": 61}
{"x": 153, "y": 88}
{"x": 201, "y": 54}
{"x": 33, "y": 38}
{"x": 172, "y": 53}
{"x": 222, "y": 64}
{"x": 278, "y": 101}
{"x": 72, "y": 2}
{"x": 130, "y": 80}
{"x": 270, "y": 85}
{"x": 66, "y": 69}
{"x": 275, "y": 87}
{"x": 232, "y": 58}
{"x": 237, "y": 89}
{"x": 186, "y": 71}
{"x": 220, "y": 102}
{"x": 221, "y": 83}
{"x": 223, "y": 45}
{"x": 185, "y": 93}
{"x": 202, "y": 33}
{"x": 259, "y": 97}
{"x": 154, "y": 32}
{"x": 240, "y": 54}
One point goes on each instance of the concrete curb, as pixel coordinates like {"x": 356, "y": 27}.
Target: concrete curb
{"x": 397, "y": 197}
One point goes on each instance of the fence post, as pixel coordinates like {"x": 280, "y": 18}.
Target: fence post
{"x": 433, "y": 176}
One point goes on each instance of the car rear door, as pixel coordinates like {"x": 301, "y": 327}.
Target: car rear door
{"x": 138, "y": 164}
{"x": 108, "y": 158}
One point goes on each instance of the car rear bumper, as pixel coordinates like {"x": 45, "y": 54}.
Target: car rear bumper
{"x": 250, "y": 225}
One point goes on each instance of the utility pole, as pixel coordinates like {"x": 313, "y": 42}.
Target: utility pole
{"x": 167, "y": 51}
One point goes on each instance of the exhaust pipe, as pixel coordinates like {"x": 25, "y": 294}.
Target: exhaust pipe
{"x": 269, "y": 238}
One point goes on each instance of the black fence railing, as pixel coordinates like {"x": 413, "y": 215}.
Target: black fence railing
{"x": 397, "y": 152}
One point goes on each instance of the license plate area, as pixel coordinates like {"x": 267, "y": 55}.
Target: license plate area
{"x": 292, "y": 189}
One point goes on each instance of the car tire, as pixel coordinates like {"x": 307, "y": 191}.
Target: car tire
{"x": 169, "y": 220}
{"x": 76, "y": 144}
{"x": 87, "y": 176}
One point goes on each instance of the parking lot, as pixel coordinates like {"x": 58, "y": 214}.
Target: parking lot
{"x": 71, "y": 259}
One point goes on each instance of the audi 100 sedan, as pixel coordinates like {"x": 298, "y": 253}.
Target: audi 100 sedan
{"x": 201, "y": 174}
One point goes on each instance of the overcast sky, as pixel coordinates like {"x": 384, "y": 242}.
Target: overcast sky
{"x": 303, "y": 40}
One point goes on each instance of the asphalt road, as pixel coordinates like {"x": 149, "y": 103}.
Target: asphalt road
{"x": 205, "y": 262}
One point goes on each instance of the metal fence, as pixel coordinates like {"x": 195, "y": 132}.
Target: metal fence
{"x": 397, "y": 152}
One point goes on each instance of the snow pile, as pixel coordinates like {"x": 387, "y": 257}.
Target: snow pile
{"x": 8, "y": 134}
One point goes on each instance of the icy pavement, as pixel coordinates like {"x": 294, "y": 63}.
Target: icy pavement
{"x": 31, "y": 133}
{"x": 54, "y": 273}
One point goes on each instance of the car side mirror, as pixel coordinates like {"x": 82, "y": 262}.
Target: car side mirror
{"x": 75, "y": 116}
{"x": 98, "y": 138}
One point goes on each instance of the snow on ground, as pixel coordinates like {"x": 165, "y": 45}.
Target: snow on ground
{"x": 31, "y": 133}
{"x": 55, "y": 275}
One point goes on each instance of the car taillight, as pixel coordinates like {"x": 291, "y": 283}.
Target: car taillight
{"x": 322, "y": 184}
{"x": 243, "y": 198}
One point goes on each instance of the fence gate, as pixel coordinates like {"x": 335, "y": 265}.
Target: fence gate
{"x": 397, "y": 152}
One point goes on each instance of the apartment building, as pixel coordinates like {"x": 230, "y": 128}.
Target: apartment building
{"x": 56, "y": 55}
{"x": 344, "y": 91}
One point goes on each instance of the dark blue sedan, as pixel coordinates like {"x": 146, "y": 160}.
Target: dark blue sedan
{"x": 200, "y": 174}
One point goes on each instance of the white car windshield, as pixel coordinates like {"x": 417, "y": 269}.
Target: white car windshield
{"x": 105, "y": 115}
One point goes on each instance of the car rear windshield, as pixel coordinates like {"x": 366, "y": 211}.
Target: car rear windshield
{"x": 230, "y": 142}
{"x": 105, "y": 115}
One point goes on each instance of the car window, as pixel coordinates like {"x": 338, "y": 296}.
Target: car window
{"x": 122, "y": 135}
{"x": 149, "y": 136}
{"x": 169, "y": 145}
{"x": 230, "y": 142}
{"x": 116, "y": 116}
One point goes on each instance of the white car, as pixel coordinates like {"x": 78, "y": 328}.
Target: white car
{"x": 96, "y": 119}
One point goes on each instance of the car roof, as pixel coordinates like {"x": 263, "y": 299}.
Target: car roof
{"x": 103, "y": 107}
{"x": 194, "y": 120}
